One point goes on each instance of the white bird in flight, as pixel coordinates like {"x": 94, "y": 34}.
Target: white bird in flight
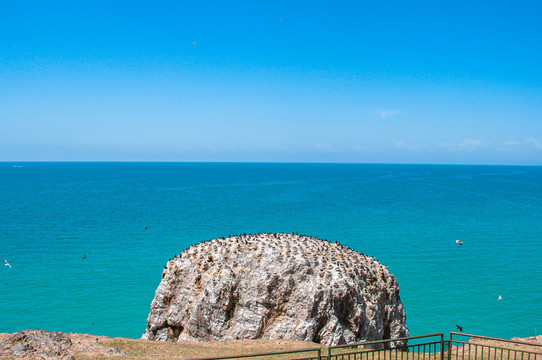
{"x": 459, "y": 242}
{"x": 7, "y": 264}
{"x": 500, "y": 298}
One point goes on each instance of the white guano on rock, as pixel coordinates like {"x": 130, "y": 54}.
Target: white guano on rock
{"x": 275, "y": 286}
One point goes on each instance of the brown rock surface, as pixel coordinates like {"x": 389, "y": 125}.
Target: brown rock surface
{"x": 39, "y": 344}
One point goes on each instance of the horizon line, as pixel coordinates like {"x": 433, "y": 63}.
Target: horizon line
{"x": 256, "y": 162}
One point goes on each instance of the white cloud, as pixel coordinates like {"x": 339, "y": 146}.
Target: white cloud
{"x": 468, "y": 144}
{"x": 529, "y": 142}
{"x": 384, "y": 114}
{"x": 410, "y": 147}
{"x": 362, "y": 148}
{"x": 325, "y": 148}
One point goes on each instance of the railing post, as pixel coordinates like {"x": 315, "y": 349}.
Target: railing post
{"x": 450, "y": 348}
{"x": 442, "y": 346}
{"x": 328, "y": 353}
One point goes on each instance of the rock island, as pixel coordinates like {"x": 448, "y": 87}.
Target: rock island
{"x": 275, "y": 286}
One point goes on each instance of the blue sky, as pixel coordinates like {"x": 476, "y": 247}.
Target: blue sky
{"x": 298, "y": 81}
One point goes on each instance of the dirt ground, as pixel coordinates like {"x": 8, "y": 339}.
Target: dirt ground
{"x": 37, "y": 344}
{"x": 85, "y": 346}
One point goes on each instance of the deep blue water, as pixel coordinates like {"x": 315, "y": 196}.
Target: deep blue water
{"x": 407, "y": 216}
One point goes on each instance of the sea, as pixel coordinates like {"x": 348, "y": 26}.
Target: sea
{"x": 87, "y": 241}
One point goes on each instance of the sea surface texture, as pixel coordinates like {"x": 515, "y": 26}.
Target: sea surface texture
{"x": 87, "y": 242}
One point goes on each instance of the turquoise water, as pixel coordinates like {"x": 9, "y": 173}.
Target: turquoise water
{"x": 407, "y": 216}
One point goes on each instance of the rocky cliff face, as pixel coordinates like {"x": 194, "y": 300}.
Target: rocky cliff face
{"x": 275, "y": 286}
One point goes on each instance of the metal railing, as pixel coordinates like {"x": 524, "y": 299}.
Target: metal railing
{"x": 460, "y": 346}
{"x": 424, "y": 347}
{"x": 277, "y": 355}
{"x": 487, "y": 348}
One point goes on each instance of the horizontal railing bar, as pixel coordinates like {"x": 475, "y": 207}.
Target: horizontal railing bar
{"x": 420, "y": 344}
{"x": 383, "y": 341}
{"x": 496, "y": 347}
{"x": 260, "y": 354}
{"x": 496, "y": 339}
{"x": 492, "y": 346}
